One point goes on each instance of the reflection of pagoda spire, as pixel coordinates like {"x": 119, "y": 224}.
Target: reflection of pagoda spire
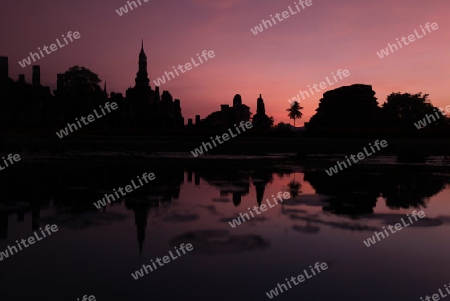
{"x": 140, "y": 220}
{"x": 141, "y": 211}
{"x": 260, "y": 180}
{"x": 237, "y": 198}
{"x": 259, "y": 187}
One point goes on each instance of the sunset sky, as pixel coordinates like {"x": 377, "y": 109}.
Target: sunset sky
{"x": 299, "y": 51}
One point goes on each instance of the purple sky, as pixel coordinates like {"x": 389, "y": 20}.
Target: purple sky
{"x": 299, "y": 51}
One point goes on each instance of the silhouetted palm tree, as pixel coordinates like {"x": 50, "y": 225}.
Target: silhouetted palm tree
{"x": 294, "y": 111}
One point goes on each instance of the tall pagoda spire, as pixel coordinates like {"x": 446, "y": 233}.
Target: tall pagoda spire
{"x": 142, "y": 79}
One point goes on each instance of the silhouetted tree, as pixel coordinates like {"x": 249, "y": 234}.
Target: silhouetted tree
{"x": 81, "y": 81}
{"x": 79, "y": 88}
{"x": 403, "y": 109}
{"x": 294, "y": 111}
{"x": 281, "y": 126}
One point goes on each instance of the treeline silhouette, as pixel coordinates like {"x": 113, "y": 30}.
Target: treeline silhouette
{"x": 354, "y": 111}
{"x": 349, "y": 111}
{"x": 31, "y": 106}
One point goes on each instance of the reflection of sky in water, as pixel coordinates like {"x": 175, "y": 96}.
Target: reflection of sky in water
{"x": 95, "y": 252}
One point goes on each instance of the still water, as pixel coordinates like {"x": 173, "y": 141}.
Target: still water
{"x": 326, "y": 220}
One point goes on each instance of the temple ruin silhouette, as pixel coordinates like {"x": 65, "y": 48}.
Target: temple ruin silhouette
{"x": 30, "y": 106}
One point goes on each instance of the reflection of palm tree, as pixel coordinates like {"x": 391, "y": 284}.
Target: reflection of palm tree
{"x": 294, "y": 187}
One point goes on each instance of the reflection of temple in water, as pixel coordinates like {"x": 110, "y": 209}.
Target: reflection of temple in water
{"x": 20, "y": 212}
{"x": 238, "y": 183}
{"x": 164, "y": 188}
{"x": 356, "y": 193}
{"x": 141, "y": 211}
{"x": 71, "y": 188}
{"x": 260, "y": 179}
